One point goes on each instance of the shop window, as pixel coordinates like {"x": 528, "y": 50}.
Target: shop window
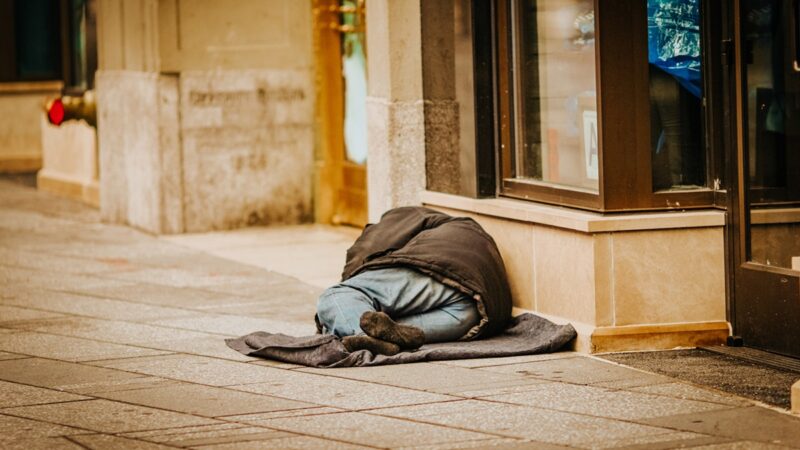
{"x": 608, "y": 106}
{"x": 31, "y": 42}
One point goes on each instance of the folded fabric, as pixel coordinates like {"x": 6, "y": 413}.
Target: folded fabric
{"x": 526, "y": 334}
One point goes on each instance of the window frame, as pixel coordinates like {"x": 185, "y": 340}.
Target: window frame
{"x": 622, "y": 74}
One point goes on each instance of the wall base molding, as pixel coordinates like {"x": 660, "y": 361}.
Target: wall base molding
{"x": 86, "y": 192}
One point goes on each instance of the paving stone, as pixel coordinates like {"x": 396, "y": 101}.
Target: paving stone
{"x": 751, "y": 423}
{"x": 488, "y": 362}
{"x": 689, "y": 392}
{"x": 154, "y": 294}
{"x": 220, "y": 433}
{"x": 494, "y": 444}
{"x": 68, "y": 348}
{"x": 259, "y": 418}
{"x": 4, "y": 356}
{"x": 89, "y": 306}
{"x": 181, "y": 278}
{"x": 336, "y": 392}
{"x": 14, "y": 394}
{"x": 63, "y": 264}
{"x": 14, "y": 313}
{"x": 741, "y": 445}
{"x": 203, "y": 400}
{"x": 523, "y": 422}
{"x": 580, "y": 370}
{"x": 49, "y": 280}
{"x": 52, "y": 443}
{"x": 601, "y": 402}
{"x": 212, "y": 346}
{"x": 239, "y": 325}
{"x": 76, "y": 378}
{"x": 274, "y": 363}
{"x": 367, "y": 429}
{"x": 289, "y": 443}
{"x": 17, "y": 428}
{"x": 105, "y": 441}
{"x": 670, "y": 440}
{"x": 430, "y": 377}
{"x": 107, "y": 416}
{"x": 196, "y": 369}
{"x": 111, "y": 330}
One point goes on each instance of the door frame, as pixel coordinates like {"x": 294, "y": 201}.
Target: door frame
{"x": 750, "y": 286}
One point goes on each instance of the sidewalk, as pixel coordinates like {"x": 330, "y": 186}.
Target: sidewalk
{"x": 111, "y": 338}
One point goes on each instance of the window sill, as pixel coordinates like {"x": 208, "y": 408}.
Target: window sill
{"x": 573, "y": 219}
{"x": 30, "y": 87}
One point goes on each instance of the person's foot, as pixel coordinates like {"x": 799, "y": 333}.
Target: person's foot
{"x": 374, "y": 345}
{"x": 379, "y": 325}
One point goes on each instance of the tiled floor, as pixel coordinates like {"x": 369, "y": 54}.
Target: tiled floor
{"x": 110, "y": 338}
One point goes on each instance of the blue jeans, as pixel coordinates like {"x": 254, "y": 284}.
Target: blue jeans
{"x": 407, "y": 296}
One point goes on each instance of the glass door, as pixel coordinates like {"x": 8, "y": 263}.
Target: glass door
{"x": 766, "y": 307}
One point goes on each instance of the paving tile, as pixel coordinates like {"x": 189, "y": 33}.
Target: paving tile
{"x": 741, "y": 445}
{"x": 195, "y": 436}
{"x": 155, "y": 294}
{"x": 601, "y": 402}
{"x": 487, "y": 362}
{"x": 67, "y": 348}
{"x": 111, "y": 330}
{"x": 18, "y": 428}
{"x": 51, "y": 443}
{"x": 14, "y": 313}
{"x": 107, "y": 416}
{"x": 751, "y": 423}
{"x": 580, "y": 370}
{"x": 89, "y": 306}
{"x": 239, "y": 325}
{"x": 105, "y": 441}
{"x": 336, "y": 392}
{"x": 494, "y": 444}
{"x": 196, "y": 369}
{"x": 430, "y": 377}
{"x": 670, "y": 440}
{"x": 367, "y": 429}
{"x": 290, "y": 443}
{"x": 182, "y": 278}
{"x": 14, "y": 394}
{"x": 76, "y": 378}
{"x": 203, "y": 400}
{"x": 212, "y": 346}
{"x": 63, "y": 264}
{"x": 689, "y": 392}
{"x": 4, "y": 356}
{"x": 522, "y": 422}
{"x": 259, "y": 418}
{"x": 49, "y": 280}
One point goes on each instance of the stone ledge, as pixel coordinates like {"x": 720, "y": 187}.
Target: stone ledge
{"x": 573, "y": 219}
{"x": 88, "y": 193}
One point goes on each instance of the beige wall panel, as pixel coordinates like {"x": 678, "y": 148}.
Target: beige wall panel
{"x": 20, "y": 132}
{"x": 247, "y": 147}
{"x": 127, "y": 35}
{"x": 604, "y": 279}
{"x": 515, "y": 241}
{"x": 234, "y": 34}
{"x": 669, "y": 276}
{"x": 395, "y": 49}
{"x": 564, "y": 274}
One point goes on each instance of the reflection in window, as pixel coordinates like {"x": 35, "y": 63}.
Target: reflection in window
{"x": 557, "y": 99}
{"x": 676, "y": 92}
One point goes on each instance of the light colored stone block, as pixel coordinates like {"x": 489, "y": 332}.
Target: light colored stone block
{"x": 669, "y": 276}
{"x": 564, "y": 274}
{"x": 796, "y": 397}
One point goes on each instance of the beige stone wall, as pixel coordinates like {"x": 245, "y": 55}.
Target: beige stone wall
{"x": 205, "y": 113}
{"x": 69, "y": 161}
{"x": 20, "y": 133}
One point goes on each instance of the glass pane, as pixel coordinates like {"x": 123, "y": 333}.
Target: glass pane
{"x": 773, "y": 131}
{"x": 354, "y": 68}
{"x": 557, "y": 94}
{"x": 676, "y": 94}
{"x": 37, "y": 37}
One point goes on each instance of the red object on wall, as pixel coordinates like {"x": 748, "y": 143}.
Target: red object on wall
{"x": 55, "y": 113}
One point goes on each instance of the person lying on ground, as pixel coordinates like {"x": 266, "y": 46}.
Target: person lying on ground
{"x": 416, "y": 277}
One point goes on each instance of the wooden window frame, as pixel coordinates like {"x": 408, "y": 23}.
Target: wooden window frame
{"x": 623, "y": 100}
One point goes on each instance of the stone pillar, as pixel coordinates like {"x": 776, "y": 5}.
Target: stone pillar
{"x": 395, "y": 107}
{"x": 205, "y": 113}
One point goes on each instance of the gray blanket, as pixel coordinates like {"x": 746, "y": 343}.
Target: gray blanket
{"x": 526, "y": 334}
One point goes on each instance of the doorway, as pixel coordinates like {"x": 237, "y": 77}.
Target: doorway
{"x": 764, "y": 194}
{"x": 341, "y": 81}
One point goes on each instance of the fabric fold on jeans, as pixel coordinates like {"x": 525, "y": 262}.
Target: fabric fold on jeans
{"x": 527, "y": 334}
